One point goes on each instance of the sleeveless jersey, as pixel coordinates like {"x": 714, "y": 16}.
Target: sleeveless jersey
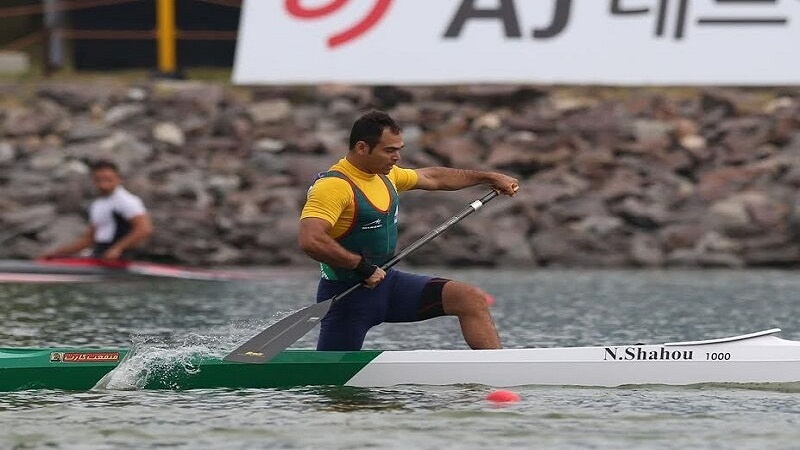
{"x": 372, "y": 233}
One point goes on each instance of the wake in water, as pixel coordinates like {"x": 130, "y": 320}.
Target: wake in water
{"x": 165, "y": 360}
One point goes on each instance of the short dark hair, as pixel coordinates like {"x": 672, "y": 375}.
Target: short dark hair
{"x": 101, "y": 164}
{"x": 369, "y": 127}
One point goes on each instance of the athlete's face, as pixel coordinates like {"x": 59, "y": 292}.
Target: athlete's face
{"x": 386, "y": 152}
{"x": 105, "y": 180}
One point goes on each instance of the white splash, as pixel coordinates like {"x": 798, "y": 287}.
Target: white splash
{"x": 170, "y": 359}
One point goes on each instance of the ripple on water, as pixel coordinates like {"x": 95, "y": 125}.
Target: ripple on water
{"x": 170, "y": 323}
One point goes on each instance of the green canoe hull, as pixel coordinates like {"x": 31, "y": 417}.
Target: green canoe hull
{"x": 81, "y": 369}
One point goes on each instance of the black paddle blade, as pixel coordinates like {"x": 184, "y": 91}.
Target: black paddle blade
{"x": 280, "y": 335}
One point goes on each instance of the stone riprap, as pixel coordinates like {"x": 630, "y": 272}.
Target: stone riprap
{"x": 609, "y": 177}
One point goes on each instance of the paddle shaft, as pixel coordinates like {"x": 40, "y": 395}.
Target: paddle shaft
{"x": 285, "y": 332}
{"x": 431, "y": 235}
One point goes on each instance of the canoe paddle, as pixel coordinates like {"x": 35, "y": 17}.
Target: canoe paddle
{"x": 285, "y": 332}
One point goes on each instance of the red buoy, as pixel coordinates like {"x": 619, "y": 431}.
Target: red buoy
{"x": 502, "y": 396}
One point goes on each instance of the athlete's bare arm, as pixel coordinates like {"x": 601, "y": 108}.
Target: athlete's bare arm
{"x": 85, "y": 241}
{"x": 141, "y": 229}
{"x": 447, "y": 179}
{"x": 314, "y": 239}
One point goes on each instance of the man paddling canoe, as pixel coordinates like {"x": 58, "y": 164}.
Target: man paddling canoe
{"x": 118, "y": 219}
{"x": 349, "y": 225}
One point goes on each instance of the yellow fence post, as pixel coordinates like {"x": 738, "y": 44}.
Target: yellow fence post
{"x": 166, "y": 34}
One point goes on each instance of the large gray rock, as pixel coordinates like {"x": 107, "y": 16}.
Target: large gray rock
{"x": 270, "y": 111}
{"x": 29, "y": 219}
{"x": 81, "y": 97}
{"x": 7, "y": 153}
{"x": 646, "y": 251}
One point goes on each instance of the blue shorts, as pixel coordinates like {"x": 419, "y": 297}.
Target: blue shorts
{"x": 400, "y": 297}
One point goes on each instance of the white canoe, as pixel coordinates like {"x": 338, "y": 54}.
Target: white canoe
{"x": 751, "y": 358}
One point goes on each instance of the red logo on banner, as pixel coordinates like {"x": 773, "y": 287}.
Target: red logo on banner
{"x": 297, "y": 10}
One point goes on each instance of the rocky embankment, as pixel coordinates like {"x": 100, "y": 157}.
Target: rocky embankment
{"x": 610, "y": 177}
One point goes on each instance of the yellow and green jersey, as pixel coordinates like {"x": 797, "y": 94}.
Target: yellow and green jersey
{"x": 362, "y": 210}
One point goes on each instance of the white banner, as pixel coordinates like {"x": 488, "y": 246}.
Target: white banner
{"x": 614, "y": 42}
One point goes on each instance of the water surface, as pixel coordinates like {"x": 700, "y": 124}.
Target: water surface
{"x": 533, "y": 308}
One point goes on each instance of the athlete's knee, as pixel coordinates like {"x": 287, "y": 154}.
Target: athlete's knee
{"x": 463, "y": 299}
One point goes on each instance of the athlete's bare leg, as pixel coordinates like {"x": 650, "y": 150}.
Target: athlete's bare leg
{"x": 469, "y": 304}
